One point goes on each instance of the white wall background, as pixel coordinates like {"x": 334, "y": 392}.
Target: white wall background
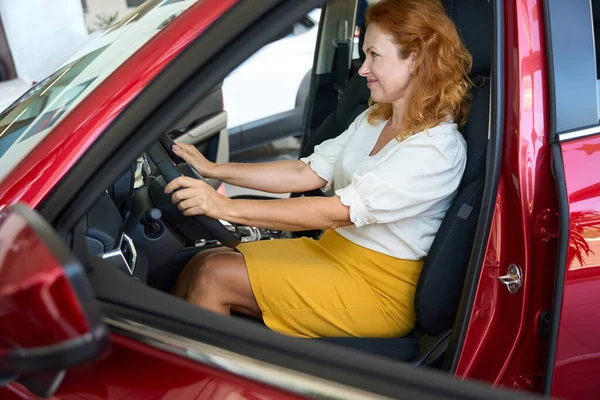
{"x": 42, "y": 33}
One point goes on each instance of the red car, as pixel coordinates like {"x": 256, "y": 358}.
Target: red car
{"x": 90, "y": 246}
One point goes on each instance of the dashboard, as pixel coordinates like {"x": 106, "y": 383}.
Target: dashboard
{"x": 127, "y": 229}
{"x": 135, "y": 227}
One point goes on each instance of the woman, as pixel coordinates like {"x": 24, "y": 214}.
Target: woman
{"x": 395, "y": 172}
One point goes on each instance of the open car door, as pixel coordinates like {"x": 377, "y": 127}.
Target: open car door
{"x": 573, "y": 364}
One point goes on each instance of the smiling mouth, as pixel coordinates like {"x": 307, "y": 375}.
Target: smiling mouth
{"x": 371, "y": 82}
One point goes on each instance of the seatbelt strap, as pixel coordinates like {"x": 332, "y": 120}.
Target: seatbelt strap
{"x": 342, "y": 57}
{"x": 342, "y": 52}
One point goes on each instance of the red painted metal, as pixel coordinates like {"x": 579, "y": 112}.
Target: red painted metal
{"x": 502, "y": 344}
{"x": 577, "y": 362}
{"x": 137, "y": 371}
{"x": 38, "y": 306}
{"x": 36, "y": 175}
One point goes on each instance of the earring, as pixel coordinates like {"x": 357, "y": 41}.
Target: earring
{"x": 412, "y": 70}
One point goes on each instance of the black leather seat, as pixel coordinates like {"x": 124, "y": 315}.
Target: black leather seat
{"x": 350, "y": 105}
{"x": 441, "y": 281}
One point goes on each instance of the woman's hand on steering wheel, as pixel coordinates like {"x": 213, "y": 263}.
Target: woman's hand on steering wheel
{"x": 193, "y": 157}
{"x": 195, "y": 197}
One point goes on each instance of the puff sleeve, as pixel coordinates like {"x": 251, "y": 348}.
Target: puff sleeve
{"x": 324, "y": 158}
{"x": 418, "y": 176}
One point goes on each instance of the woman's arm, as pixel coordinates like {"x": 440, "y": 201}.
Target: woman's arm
{"x": 283, "y": 176}
{"x": 294, "y": 214}
{"x": 197, "y": 198}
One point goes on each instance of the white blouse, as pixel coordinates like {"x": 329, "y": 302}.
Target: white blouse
{"x": 399, "y": 196}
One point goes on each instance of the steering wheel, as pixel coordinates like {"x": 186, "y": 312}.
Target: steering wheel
{"x": 162, "y": 156}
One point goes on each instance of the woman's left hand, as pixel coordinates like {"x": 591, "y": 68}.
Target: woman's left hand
{"x": 195, "y": 197}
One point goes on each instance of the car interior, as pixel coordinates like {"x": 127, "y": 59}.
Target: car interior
{"x": 136, "y": 230}
{"x": 263, "y": 130}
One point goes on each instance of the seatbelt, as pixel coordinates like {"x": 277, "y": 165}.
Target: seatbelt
{"x": 342, "y": 57}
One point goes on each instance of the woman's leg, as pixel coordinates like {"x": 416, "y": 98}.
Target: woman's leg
{"x": 221, "y": 284}
{"x": 184, "y": 279}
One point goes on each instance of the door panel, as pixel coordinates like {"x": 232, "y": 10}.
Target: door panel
{"x": 266, "y": 130}
{"x": 209, "y": 106}
{"x": 577, "y": 358}
{"x": 204, "y": 129}
{"x": 503, "y": 343}
{"x": 573, "y": 364}
{"x": 137, "y": 371}
{"x": 205, "y": 126}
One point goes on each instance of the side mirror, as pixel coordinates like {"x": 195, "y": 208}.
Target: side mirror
{"x": 49, "y": 317}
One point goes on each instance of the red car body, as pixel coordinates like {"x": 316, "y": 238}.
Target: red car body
{"x": 503, "y": 345}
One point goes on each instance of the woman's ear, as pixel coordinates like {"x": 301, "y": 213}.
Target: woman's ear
{"x": 413, "y": 59}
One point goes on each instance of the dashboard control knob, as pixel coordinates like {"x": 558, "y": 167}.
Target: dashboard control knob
{"x": 151, "y": 221}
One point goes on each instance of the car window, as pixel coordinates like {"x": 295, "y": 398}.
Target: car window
{"x": 31, "y": 117}
{"x": 268, "y": 83}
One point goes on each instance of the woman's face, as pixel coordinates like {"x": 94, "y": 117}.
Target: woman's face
{"x": 388, "y": 75}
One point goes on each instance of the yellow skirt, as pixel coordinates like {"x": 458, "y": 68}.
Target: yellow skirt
{"x": 331, "y": 287}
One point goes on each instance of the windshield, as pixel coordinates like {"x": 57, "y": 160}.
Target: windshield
{"x": 30, "y": 118}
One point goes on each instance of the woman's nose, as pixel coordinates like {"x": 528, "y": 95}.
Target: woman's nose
{"x": 364, "y": 69}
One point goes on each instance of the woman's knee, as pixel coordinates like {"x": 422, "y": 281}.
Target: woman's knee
{"x": 187, "y": 274}
{"x": 223, "y": 278}
{"x": 208, "y": 275}
{"x": 201, "y": 256}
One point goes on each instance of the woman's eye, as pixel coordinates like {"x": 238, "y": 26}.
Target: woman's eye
{"x": 373, "y": 54}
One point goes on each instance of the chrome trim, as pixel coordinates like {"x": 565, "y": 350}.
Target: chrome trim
{"x": 246, "y": 367}
{"x": 146, "y": 164}
{"x": 513, "y": 280}
{"x": 133, "y": 250}
{"x": 117, "y": 258}
{"x": 138, "y": 175}
{"x": 249, "y": 234}
{"x": 578, "y": 134}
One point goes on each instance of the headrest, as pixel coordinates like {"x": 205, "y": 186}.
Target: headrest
{"x": 473, "y": 19}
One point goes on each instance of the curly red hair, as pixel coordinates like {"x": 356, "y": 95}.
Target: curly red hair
{"x": 441, "y": 79}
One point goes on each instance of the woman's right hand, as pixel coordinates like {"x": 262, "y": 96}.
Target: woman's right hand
{"x": 190, "y": 154}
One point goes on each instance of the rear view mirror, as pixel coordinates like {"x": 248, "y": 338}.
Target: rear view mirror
{"x": 49, "y": 317}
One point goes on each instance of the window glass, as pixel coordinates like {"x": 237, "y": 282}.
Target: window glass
{"x": 29, "y": 119}
{"x": 269, "y": 82}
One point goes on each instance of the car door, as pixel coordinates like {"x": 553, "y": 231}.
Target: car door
{"x": 573, "y": 364}
{"x": 507, "y": 302}
{"x": 55, "y": 340}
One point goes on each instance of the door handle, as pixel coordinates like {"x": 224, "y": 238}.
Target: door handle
{"x": 513, "y": 278}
